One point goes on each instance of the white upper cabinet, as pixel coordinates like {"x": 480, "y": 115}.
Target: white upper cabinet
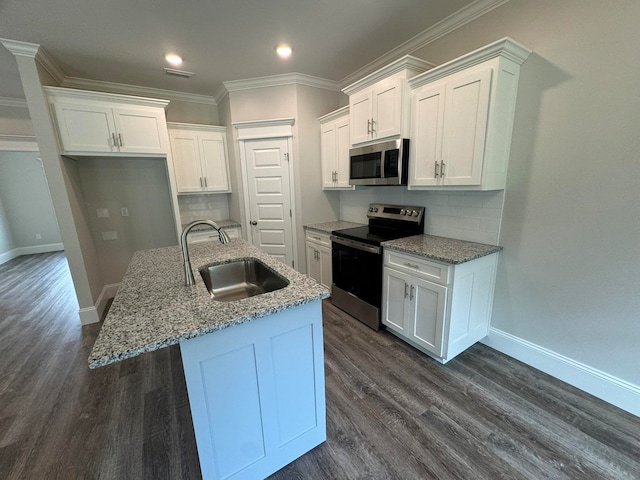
{"x": 199, "y": 158}
{"x": 334, "y": 145}
{"x": 379, "y": 103}
{"x": 99, "y": 123}
{"x": 462, "y": 118}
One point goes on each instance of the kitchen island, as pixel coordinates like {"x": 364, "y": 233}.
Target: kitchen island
{"x": 254, "y": 367}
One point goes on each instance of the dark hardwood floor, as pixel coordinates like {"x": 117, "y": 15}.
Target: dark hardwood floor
{"x": 392, "y": 412}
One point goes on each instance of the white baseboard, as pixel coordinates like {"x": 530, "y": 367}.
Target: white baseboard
{"x": 616, "y": 391}
{"x": 94, "y": 314}
{"x": 16, "y": 252}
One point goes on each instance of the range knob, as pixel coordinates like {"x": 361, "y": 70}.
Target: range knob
{"x": 371, "y": 209}
{"x": 414, "y": 213}
{"x": 402, "y": 211}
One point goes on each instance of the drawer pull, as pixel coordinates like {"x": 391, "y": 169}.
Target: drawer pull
{"x": 410, "y": 265}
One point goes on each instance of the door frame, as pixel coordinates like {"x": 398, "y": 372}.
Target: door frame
{"x": 278, "y": 128}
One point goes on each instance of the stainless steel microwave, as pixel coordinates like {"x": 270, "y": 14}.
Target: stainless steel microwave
{"x": 383, "y": 163}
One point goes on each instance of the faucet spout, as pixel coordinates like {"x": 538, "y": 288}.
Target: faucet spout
{"x": 188, "y": 272}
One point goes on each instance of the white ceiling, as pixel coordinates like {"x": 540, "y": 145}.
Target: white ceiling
{"x": 123, "y": 41}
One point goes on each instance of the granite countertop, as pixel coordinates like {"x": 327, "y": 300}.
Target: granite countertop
{"x": 442, "y": 249}
{"x": 328, "y": 227}
{"x": 154, "y": 308}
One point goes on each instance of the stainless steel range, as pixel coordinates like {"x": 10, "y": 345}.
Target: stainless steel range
{"x": 357, "y": 258}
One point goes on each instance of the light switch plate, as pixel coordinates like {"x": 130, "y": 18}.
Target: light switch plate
{"x": 102, "y": 212}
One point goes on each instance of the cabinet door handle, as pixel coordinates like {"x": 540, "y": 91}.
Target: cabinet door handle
{"x": 406, "y": 289}
{"x": 441, "y": 168}
{"x": 369, "y": 126}
{"x": 411, "y": 295}
{"x": 114, "y": 140}
{"x": 200, "y": 182}
{"x": 435, "y": 169}
{"x": 373, "y": 128}
{"x": 205, "y": 182}
{"x": 410, "y": 265}
{"x": 120, "y": 138}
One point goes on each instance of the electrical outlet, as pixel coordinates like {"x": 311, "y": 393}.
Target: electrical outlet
{"x": 124, "y": 211}
{"x": 112, "y": 235}
{"x": 38, "y": 236}
{"x": 102, "y": 212}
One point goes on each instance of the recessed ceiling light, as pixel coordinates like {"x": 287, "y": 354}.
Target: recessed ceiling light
{"x": 283, "y": 50}
{"x": 173, "y": 59}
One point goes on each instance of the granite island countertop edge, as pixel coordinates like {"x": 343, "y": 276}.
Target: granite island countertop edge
{"x": 154, "y": 309}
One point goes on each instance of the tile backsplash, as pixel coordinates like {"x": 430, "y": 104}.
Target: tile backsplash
{"x": 208, "y": 207}
{"x": 472, "y": 216}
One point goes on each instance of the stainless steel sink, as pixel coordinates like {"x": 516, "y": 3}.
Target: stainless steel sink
{"x": 240, "y": 279}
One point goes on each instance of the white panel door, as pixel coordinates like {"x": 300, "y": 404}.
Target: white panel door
{"x": 214, "y": 163}
{"x": 343, "y": 143}
{"x": 268, "y": 182}
{"x": 465, "y": 129}
{"x": 427, "y": 125}
{"x": 85, "y": 128}
{"x": 387, "y": 109}
{"x": 186, "y": 161}
{"x": 395, "y": 292}
{"x": 139, "y": 131}
{"x": 428, "y": 305}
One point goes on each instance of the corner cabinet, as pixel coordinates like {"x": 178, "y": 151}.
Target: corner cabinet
{"x": 318, "y": 246}
{"x": 440, "y": 309}
{"x": 462, "y": 119}
{"x": 200, "y": 158}
{"x": 334, "y": 150}
{"x": 379, "y": 103}
{"x": 91, "y": 123}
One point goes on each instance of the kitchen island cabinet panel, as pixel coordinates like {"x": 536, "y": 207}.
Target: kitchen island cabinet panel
{"x": 257, "y": 393}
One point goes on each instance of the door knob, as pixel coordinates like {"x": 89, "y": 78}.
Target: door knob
{"x": 253, "y": 222}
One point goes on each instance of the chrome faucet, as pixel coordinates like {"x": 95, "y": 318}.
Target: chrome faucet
{"x": 222, "y": 235}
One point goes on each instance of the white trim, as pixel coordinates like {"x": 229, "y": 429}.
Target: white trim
{"x": 65, "y": 93}
{"x": 616, "y": 391}
{"x": 196, "y": 127}
{"x": 440, "y": 29}
{"x": 505, "y": 47}
{"x": 13, "y": 102}
{"x": 136, "y": 90}
{"x": 23, "y": 49}
{"x": 108, "y": 291}
{"x": 43, "y": 58}
{"x": 412, "y": 64}
{"x": 18, "y": 143}
{"x": 335, "y": 114}
{"x": 256, "y": 129}
{"x": 19, "y": 251}
{"x": 88, "y": 316}
{"x": 280, "y": 80}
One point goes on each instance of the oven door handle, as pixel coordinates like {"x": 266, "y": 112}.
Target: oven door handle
{"x": 357, "y": 245}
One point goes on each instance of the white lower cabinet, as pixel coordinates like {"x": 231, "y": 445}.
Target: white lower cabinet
{"x": 319, "y": 257}
{"x": 440, "y": 309}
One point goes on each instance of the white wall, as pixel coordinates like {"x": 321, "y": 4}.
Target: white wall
{"x": 472, "y": 216}
{"x": 141, "y": 186}
{"x": 568, "y": 277}
{"x": 27, "y": 201}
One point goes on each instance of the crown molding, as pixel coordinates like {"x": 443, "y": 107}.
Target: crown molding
{"x": 92, "y": 95}
{"x": 33, "y": 50}
{"x": 196, "y": 127}
{"x": 280, "y": 80}
{"x": 135, "y": 90}
{"x": 440, "y": 29}
{"x": 220, "y": 93}
{"x": 335, "y": 114}
{"x": 13, "y": 102}
{"x": 505, "y": 47}
{"x": 409, "y": 63}
{"x": 257, "y": 129}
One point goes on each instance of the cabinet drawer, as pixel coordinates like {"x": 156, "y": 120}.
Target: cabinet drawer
{"x": 317, "y": 237}
{"x": 419, "y": 267}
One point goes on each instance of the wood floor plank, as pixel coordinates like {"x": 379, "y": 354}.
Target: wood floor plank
{"x": 392, "y": 412}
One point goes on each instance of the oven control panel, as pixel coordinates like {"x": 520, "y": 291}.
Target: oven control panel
{"x": 396, "y": 212}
